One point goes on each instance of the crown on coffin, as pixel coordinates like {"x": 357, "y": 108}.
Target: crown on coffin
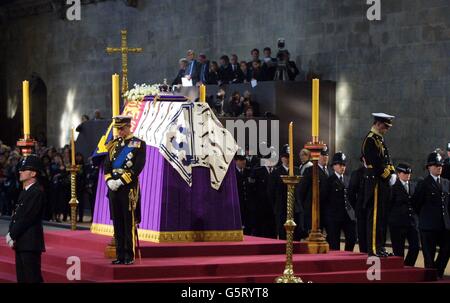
{"x": 140, "y": 92}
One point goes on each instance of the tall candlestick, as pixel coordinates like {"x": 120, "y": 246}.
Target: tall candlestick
{"x": 115, "y": 95}
{"x": 26, "y": 109}
{"x": 291, "y": 149}
{"x": 72, "y": 144}
{"x": 315, "y": 110}
{"x": 202, "y": 93}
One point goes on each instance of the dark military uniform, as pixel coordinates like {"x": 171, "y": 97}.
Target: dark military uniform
{"x": 355, "y": 195}
{"x": 376, "y": 190}
{"x": 26, "y": 228}
{"x": 431, "y": 203}
{"x": 125, "y": 161}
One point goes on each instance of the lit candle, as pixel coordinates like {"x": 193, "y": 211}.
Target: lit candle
{"x": 202, "y": 93}
{"x": 291, "y": 149}
{"x": 26, "y": 109}
{"x": 115, "y": 95}
{"x": 315, "y": 110}
{"x": 72, "y": 144}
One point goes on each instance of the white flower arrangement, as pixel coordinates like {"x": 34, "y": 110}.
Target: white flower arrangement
{"x": 140, "y": 91}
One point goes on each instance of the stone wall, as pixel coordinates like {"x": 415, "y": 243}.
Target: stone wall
{"x": 399, "y": 65}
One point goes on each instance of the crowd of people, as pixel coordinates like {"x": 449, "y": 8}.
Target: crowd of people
{"x": 230, "y": 70}
{"x": 55, "y": 181}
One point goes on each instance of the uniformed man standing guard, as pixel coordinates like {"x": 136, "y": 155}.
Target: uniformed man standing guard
{"x": 403, "y": 220}
{"x": 380, "y": 175}
{"x": 26, "y": 235}
{"x": 431, "y": 201}
{"x": 124, "y": 163}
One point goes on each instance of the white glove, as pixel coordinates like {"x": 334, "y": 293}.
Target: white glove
{"x": 9, "y": 241}
{"x": 119, "y": 183}
{"x": 112, "y": 185}
{"x": 393, "y": 179}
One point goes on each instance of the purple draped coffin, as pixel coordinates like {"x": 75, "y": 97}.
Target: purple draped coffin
{"x": 173, "y": 211}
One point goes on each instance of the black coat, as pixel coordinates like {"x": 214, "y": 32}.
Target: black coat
{"x": 431, "y": 203}
{"x": 336, "y": 199}
{"x": 280, "y": 191}
{"x": 356, "y": 188}
{"x": 305, "y": 190}
{"x": 401, "y": 212}
{"x": 26, "y": 223}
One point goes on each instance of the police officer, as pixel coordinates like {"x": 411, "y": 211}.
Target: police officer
{"x": 355, "y": 195}
{"x": 26, "y": 235}
{"x": 380, "y": 175}
{"x": 431, "y": 202}
{"x": 123, "y": 164}
{"x": 280, "y": 194}
{"x": 403, "y": 220}
{"x": 339, "y": 213}
{"x": 446, "y": 166}
{"x": 245, "y": 185}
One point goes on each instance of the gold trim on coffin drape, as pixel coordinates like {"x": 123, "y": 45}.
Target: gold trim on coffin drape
{"x": 176, "y": 236}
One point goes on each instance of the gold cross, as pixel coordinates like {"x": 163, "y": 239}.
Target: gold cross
{"x": 124, "y": 49}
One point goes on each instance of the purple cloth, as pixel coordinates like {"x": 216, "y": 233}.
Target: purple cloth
{"x": 169, "y": 204}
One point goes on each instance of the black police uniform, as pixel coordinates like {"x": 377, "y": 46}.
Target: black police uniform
{"x": 403, "y": 220}
{"x": 245, "y": 186}
{"x": 304, "y": 192}
{"x": 125, "y": 161}
{"x": 339, "y": 213}
{"x": 356, "y": 197}
{"x": 26, "y": 228}
{"x": 280, "y": 203}
{"x": 376, "y": 188}
{"x": 265, "y": 225}
{"x": 431, "y": 203}
{"x": 446, "y": 167}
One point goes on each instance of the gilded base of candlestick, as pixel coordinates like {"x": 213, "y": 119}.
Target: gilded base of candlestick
{"x": 26, "y": 146}
{"x": 288, "y": 273}
{"x": 317, "y": 243}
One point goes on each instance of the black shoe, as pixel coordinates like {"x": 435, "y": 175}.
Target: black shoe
{"x": 116, "y": 262}
{"x": 129, "y": 262}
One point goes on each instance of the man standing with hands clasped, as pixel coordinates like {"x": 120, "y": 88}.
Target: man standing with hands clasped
{"x": 26, "y": 235}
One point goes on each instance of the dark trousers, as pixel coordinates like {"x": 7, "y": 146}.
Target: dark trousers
{"x": 334, "y": 234}
{"x": 430, "y": 241}
{"x": 361, "y": 221}
{"x": 28, "y": 267}
{"x": 399, "y": 235}
{"x": 123, "y": 225}
{"x": 376, "y": 237}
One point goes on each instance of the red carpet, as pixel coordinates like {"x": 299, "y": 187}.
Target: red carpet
{"x": 253, "y": 260}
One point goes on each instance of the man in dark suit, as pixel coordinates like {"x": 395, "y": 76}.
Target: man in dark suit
{"x": 339, "y": 213}
{"x": 431, "y": 203}
{"x": 305, "y": 191}
{"x": 403, "y": 220}
{"x": 245, "y": 185}
{"x": 265, "y": 225}
{"x": 355, "y": 195}
{"x": 280, "y": 193}
{"x": 204, "y": 69}
{"x": 238, "y": 75}
{"x": 193, "y": 68}
{"x": 26, "y": 235}
{"x": 226, "y": 74}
